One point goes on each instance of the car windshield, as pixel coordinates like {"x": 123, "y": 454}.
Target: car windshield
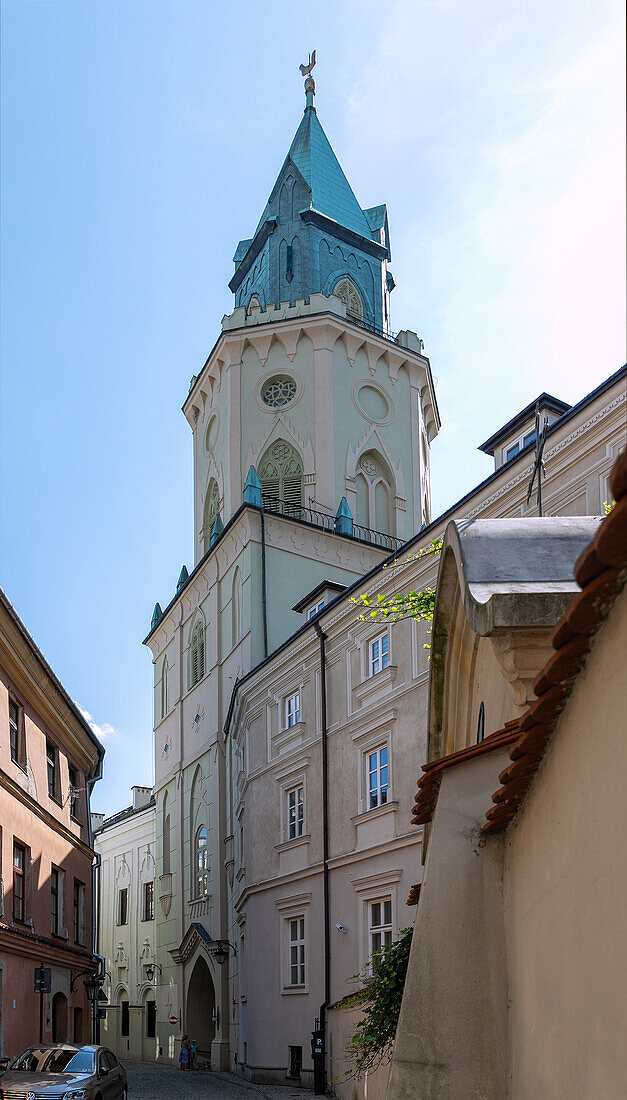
{"x": 54, "y": 1060}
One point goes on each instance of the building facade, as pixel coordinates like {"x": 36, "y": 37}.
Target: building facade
{"x": 125, "y": 845}
{"x": 288, "y": 731}
{"x": 49, "y": 762}
{"x": 311, "y": 429}
{"x": 522, "y": 868}
{"x": 375, "y": 726}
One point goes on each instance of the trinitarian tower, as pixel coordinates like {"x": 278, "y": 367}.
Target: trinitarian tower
{"x": 311, "y": 428}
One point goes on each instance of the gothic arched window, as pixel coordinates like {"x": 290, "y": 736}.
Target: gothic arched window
{"x": 201, "y": 863}
{"x": 347, "y": 292}
{"x": 164, "y": 687}
{"x": 197, "y": 654}
{"x": 374, "y": 494}
{"x": 236, "y": 608}
{"x": 166, "y": 836}
{"x": 212, "y": 509}
{"x": 281, "y": 475}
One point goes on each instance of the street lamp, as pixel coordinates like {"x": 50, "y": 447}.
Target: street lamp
{"x": 221, "y": 951}
{"x": 150, "y": 971}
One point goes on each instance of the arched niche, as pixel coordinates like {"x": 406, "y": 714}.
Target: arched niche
{"x": 281, "y": 475}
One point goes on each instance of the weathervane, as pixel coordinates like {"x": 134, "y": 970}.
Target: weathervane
{"x": 538, "y": 466}
{"x": 310, "y": 84}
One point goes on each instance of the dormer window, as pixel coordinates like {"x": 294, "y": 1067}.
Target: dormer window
{"x": 315, "y": 609}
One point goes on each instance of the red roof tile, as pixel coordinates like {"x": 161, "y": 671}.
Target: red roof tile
{"x": 601, "y": 571}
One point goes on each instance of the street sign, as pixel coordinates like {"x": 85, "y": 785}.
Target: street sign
{"x": 43, "y": 979}
{"x": 173, "y": 1020}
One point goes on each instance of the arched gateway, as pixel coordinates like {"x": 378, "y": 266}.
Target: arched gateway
{"x": 200, "y": 1014}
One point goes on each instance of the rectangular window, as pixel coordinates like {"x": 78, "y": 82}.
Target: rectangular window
{"x": 296, "y": 1061}
{"x": 74, "y": 792}
{"x": 297, "y": 951}
{"x": 79, "y": 912}
{"x": 315, "y": 609}
{"x": 123, "y": 906}
{"x": 149, "y": 901}
{"x": 15, "y": 732}
{"x": 379, "y": 654}
{"x": 380, "y": 923}
{"x": 292, "y": 709}
{"x": 378, "y": 777}
{"x": 531, "y": 438}
{"x": 19, "y": 881}
{"x": 512, "y": 452}
{"x": 55, "y": 901}
{"x": 52, "y": 761}
{"x": 295, "y": 813}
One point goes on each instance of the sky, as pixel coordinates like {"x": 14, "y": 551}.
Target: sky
{"x": 140, "y": 142}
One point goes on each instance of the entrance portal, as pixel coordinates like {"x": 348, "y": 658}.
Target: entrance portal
{"x": 201, "y": 1003}
{"x": 59, "y": 1018}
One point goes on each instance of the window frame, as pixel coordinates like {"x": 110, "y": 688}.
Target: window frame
{"x": 148, "y": 900}
{"x": 292, "y": 716}
{"x": 17, "y": 741}
{"x": 384, "y": 928}
{"x": 79, "y": 921}
{"x": 55, "y": 900}
{"x": 382, "y": 791}
{"x": 299, "y": 943}
{"x": 122, "y": 907}
{"x": 315, "y": 609}
{"x": 19, "y": 876}
{"x": 382, "y": 658}
{"x": 53, "y": 777}
{"x": 201, "y": 872}
{"x": 299, "y": 804}
{"x": 197, "y": 653}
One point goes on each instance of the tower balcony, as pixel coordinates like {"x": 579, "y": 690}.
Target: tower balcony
{"x": 310, "y": 516}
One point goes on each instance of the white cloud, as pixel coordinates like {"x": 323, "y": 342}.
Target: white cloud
{"x": 105, "y": 732}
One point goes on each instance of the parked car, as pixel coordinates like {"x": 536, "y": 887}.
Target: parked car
{"x": 59, "y": 1071}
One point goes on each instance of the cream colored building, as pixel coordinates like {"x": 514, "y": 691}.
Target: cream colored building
{"x": 377, "y": 688}
{"x": 125, "y": 845}
{"x": 517, "y": 978}
{"x": 312, "y": 425}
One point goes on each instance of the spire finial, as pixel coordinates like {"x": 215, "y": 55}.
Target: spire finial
{"x": 310, "y": 84}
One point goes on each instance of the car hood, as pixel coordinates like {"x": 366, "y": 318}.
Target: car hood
{"x": 42, "y": 1084}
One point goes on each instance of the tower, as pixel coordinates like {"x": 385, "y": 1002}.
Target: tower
{"x": 311, "y": 428}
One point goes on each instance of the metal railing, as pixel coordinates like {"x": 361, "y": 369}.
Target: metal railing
{"x": 286, "y": 508}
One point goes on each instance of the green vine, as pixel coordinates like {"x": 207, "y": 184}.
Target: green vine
{"x": 380, "y": 1000}
{"x": 408, "y": 605}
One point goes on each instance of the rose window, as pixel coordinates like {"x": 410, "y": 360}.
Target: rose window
{"x": 278, "y": 392}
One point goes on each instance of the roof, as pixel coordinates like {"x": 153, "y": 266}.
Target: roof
{"x": 547, "y": 402}
{"x": 322, "y": 587}
{"x": 331, "y": 193}
{"x": 601, "y": 571}
{"x": 122, "y": 815}
{"x": 12, "y": 613}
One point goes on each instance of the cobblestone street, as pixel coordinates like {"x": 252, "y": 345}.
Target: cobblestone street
{"x": 158, "y": 1082}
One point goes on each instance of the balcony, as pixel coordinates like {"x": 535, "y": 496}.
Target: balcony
{"x": 335, "y": 524}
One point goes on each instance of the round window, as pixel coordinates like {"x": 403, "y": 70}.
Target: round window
{"x": 212, "y": 433}
{"x": 278, "y": 391}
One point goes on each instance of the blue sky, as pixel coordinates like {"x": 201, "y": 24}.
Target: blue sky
{"x": 140, "y": 141}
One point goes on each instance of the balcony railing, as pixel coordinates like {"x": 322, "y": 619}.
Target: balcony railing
{"x": 331, "y": 523}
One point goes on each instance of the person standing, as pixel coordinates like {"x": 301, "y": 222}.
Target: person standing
{"x": 184, "y": 1055}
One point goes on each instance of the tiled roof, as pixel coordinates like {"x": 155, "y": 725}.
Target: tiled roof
{"x": 414, "y": 894}
{"x": 429, "y": 783}
{"x": 601, "y": 571}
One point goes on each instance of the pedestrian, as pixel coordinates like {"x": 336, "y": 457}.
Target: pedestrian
{"x": 184, "y": 1055}
{"x": 193, "y": 1047}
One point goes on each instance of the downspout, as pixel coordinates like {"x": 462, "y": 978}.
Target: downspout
{"x": 95, "y": 896}
{"x": 263, "y": 584}
{"x": 325, "y": 843}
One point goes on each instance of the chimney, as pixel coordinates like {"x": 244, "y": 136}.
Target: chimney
{"x": 141, "y": 797}
{"x": 96, "y": 821}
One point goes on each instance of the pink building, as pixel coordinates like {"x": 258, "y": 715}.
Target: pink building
{"x": 49, "y": 761}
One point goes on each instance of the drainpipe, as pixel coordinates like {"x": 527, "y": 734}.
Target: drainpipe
{"x": 325, "y": 844}
{"x": 95, "y": 896}
{"x": 263, "y": 584}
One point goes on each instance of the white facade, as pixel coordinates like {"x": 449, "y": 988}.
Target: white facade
{"x": 125, "y": 844}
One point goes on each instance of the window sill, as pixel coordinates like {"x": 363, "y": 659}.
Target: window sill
{"x": 295, "y": 842}
{"x": 377, "y": 811}
{"x": 21, "y": 765}
{"x": 290, "y": 733}
{"x": 55, "y": 798}
{"x": 375, "y": 684}
{"x": 294, "y": 990}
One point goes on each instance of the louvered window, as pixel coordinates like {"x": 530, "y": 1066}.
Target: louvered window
{"x": 197, "y": 655}
{"x": 212, "y": 509}
{"x": 281, "y": 476}
{"x": 347, "y": 292}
